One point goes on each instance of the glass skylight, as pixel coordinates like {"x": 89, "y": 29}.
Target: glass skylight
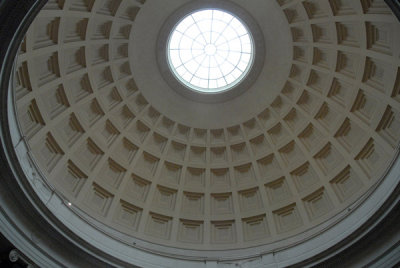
{"x": 210, "y": 50}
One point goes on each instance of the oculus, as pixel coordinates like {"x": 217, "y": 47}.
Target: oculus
{"x": 210, "y": 50}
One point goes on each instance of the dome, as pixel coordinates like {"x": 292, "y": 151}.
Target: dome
{"x": 131, "y": 156}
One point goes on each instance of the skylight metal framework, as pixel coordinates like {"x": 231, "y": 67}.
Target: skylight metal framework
{"x": 210, "y": 50}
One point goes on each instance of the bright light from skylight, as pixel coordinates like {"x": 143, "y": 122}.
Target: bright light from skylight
{"x": 210, "y": 50}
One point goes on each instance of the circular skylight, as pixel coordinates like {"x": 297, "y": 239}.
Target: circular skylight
{"x": 210, "y": 50}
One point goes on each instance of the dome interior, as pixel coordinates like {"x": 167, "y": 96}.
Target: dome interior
{"x": 316, "y": 147}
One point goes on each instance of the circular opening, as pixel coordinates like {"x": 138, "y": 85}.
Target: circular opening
{"x": 210, "y": 50}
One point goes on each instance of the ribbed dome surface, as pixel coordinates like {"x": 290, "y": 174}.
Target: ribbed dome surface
{"x": 289, "y": 161}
